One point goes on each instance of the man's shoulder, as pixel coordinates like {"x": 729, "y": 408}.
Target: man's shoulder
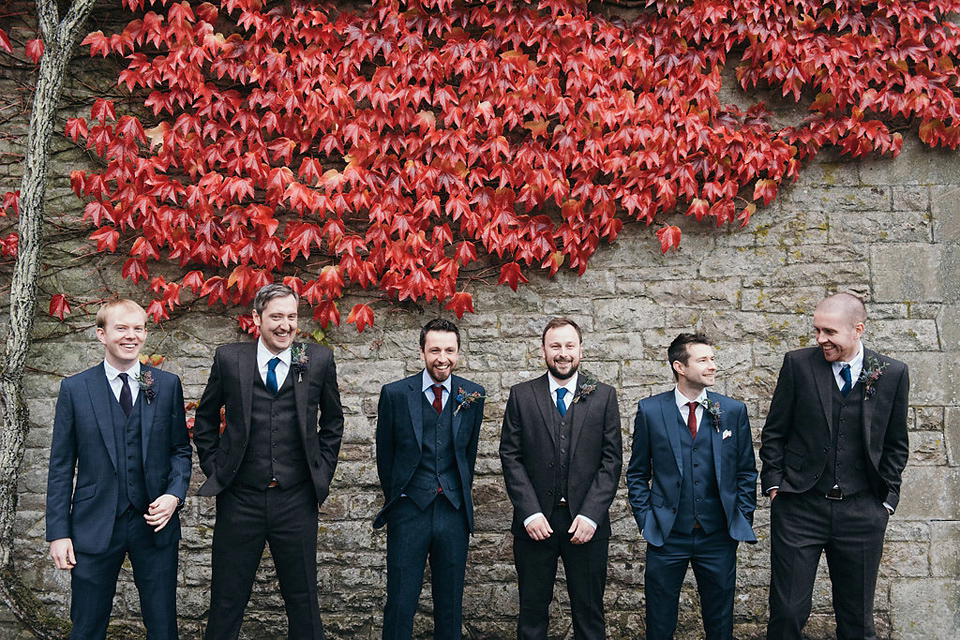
{"x": 656, "y": 399}
{"x": 528, "y": 385}
{"x": 402, "y": 385}
{"x": 84, "y": 376}
{"x": 233, "y": 348}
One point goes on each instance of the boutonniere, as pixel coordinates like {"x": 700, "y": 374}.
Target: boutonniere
{"x": 465, "y": 399}
{"x": 716, "y": 414}
{"x": 869, "y": 376}
{"x": 588, "y": 386}
{"x": 299, "y": 360}
{"x": 145, "y": 380}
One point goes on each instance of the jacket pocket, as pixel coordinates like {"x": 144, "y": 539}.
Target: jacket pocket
{"x": 84, "y": 493}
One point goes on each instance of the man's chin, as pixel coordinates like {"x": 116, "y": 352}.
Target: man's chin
{"x": 558, "y": 375}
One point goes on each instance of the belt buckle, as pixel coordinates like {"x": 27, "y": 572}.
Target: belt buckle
{"x": 834, "y": 494}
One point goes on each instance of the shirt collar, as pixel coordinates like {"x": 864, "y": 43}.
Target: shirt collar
{"x": 264, "y": 355}
{"x": 426, "y": 381}
{"x": 856, "y": 363}
{"x": 682, "y": 400}
{"x": 570, "y": 385}
{"x": 112, "y": 372}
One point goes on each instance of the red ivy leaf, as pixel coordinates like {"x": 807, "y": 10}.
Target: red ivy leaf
{"x": 460, "y": 303}
{"x": 669, "y": 237}
{"x": 35, "y": 51}
{"x": 512, "y": 274}
{"x": 362, "y": 316}
{"x": 5, "y": 42}
{"x": 59, "y": 307}
{"x": 11, "y": 199}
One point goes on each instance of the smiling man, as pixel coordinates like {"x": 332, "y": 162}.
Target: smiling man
{"x": 271, "y": 466}
{"x": 428, "y": 429}
{"x": 560, "y": 448}
{"x": 692, "y": 482}
{"x": 120, "y": 431}
{"x": 833, "y": 450}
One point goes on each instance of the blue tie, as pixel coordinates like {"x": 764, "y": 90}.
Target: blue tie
{"x": 561, "y": 405}
{"x": 272, "y": 375}
{"x": 847, "y": 381}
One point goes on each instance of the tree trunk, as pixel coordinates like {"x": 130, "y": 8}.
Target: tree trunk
{"x": 59, "y": 40}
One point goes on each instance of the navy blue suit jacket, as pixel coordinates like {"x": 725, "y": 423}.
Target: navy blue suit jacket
{"x": 83, "y": 441}
{"x": 400, "y": 437}
{"x": 656, "y": 466}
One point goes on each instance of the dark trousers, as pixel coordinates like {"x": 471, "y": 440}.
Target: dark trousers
{"x": 439, "y": 532}
{"x": 246, "y": 520}
{"x": 585, "y": 566}
{"x": 850, "y": 532}
{"x": 714, "y": 561}
{"x": 94, "y": 582}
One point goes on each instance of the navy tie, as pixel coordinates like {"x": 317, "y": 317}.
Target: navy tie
{"x": 272, "y": 375}
{"x": 847, "y": 380}
{"x": 126, "y": 398}
{"x": 561, "y": 405}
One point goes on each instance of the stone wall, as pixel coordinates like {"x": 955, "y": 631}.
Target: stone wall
{"x": 886, "y": 229}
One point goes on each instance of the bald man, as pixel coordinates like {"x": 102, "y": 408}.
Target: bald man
{"x": 833, "y": 450}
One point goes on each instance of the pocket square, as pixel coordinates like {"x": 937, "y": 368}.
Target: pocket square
{"x": 727, "y": 433}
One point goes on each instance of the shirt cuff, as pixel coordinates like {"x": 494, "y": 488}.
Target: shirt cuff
{"x": 588, "y": 521}
{"x": 771, "y": 489}
{"x": 531, "y": 518}
{"x": 889, "y": 508}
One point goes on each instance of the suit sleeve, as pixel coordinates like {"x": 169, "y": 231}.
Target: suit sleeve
{"x": 519, "y": 487}
{"x": 63, "y": 460}
{"x": 746, "y": 466}
{"x": 181, "y": 455}
{"x": 206, "y": 426}
{"x": 603, "y": 487}
{"x": 385, "y": 441}
{"x": 776, "y": 429}
{"x": 640, "y": 470}
{"x": 896, "y": 445}
{"x": 330, "y": 421}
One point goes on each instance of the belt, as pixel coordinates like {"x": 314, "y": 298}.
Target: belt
{"x": 836, "y": 493}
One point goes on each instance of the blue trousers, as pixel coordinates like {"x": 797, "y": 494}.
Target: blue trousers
{"x": 439, "y": 533}
{"x": 714, "y": 561}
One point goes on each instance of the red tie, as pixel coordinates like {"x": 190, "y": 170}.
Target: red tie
{"x": 438, "y": 397}
{"x": 692, "y": 419}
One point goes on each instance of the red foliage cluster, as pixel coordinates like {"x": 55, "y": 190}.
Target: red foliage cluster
{"x": 392, "y": 149}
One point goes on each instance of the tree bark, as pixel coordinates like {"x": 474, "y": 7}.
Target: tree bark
{"x": 59, "y": 39}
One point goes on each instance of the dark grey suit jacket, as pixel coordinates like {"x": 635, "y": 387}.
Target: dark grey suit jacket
{"x": 230, "y": 386}
{"x": 527, "y": 453}
{"x": 800, "y": 422}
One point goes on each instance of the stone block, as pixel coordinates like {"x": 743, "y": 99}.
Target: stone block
{"x": 910, "y": 197}
{"x": 929, "y": 493}
{"x": 928, "y": 448}
{"x": 626, "y": 314}
{"x": 951, "y": 432}
{"x": 906, "y": 272}
{"x": 868, "y": 227}
{"x": 832, "y": 199}
{"x": 934, "y": 378}
{"x": 925, "y": 609}
{"x": 948, "y": 321}
{"x": 904, "y": 335}
{"x": 945, "y": 549}
{"x": 796, "y": 300}
{"x": 945, "y": 211}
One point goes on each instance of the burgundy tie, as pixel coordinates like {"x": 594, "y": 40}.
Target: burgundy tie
{"x": 692, "y": 419}
{"x": 438, "y": 397}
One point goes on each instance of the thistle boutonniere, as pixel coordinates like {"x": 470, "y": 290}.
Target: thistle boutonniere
{"x": 716, "y": 413}
{"x": 588, "y": 386}
{"x": 299, "y": 360}
{"x": 145, "y": 380}
{"x": 870, "y": 374}
{"x": 465, "y": 399}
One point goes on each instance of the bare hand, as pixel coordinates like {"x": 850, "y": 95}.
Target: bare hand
{"x": 160, "y": 511}
{"x": 539, "y": 528}
{"x": 581, "y": 530}
{"x": 772, "y": 493}
{"x": 61, "y": 550}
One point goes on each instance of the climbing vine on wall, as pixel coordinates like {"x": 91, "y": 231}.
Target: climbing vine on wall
{"x": 410, "y": 148}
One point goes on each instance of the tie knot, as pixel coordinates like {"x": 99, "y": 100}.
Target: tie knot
{"x": 561, "y": 391}
{"x": 272, "y": 365}
{"x": 438, "y": 388}
{"x": 124, "y": 376}
{"x": 692, "y": 405}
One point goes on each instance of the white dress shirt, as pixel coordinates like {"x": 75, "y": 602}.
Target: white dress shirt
{"x": 264, "y": 356}
{"x": 427, "y": 383}
{"x": 116, "y": 384}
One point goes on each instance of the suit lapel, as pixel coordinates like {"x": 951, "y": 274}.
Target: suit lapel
{"x": 866, "y": 408}
{"x": 671, "y": 418}
{"x": 415, "y": 406}
{"x": 246, "y": 370}
{"x": 300, "y": 388}
{"x": 147, "y": 411}
{"x": 579, "y": 416}
{"x": 101, "y": 396}
{"x": 715, "y": 437}
{"x": 823, "y": 378}
{"x": 541, "y": 396}
{"x": 455, "y": 383}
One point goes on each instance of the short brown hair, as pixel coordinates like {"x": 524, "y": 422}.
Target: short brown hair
{"x": 557, "y": 322}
